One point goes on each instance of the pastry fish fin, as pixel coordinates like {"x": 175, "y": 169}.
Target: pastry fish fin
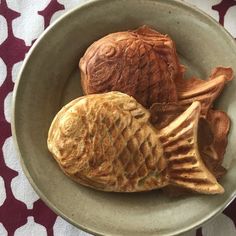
{"x": 205, "y": 92}
{"x": 185, "y": 166}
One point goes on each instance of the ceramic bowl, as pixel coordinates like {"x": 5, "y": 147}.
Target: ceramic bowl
{"x": 50, "y": 78}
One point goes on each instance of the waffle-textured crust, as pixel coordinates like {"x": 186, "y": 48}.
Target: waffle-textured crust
{"x": 142, "y": 63}
{"x": 181, "y": 148}
{"x": 105, "y": 141}
{"x": 212, "y": 133}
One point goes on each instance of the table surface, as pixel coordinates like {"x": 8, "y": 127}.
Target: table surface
{"x": 22, "y": 213}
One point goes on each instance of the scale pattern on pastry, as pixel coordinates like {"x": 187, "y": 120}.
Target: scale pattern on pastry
{"x": 105, "y": 141}
{"x": 142, "y": 63}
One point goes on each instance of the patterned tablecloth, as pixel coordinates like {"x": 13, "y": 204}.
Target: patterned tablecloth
{"x": 22, "y": 213}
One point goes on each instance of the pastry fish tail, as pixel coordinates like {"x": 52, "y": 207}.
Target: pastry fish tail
{"x": 185, "y": 167}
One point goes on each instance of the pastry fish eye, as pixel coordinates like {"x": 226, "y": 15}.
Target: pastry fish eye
{"x": 70, "y": 124}
{"x": 109, "y": 50}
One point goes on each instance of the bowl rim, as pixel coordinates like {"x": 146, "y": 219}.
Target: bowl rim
{"x": 43, "y": 197}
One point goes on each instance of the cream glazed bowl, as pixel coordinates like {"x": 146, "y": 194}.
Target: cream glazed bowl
{"x": 50, "y": 78}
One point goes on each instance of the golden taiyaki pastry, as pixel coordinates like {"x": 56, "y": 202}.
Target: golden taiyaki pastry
{"x": 105, "y": 141}
{"x": 142, "y": 63}
{"x": 211, "y": 132}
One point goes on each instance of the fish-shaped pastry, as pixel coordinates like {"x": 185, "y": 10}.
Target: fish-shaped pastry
{"x": 142, "y": 63}
{"x": 105, "y": 141}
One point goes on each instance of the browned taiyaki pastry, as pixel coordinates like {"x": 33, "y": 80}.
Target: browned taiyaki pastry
{"x": 204, "y": 91}
{"x": 142, "y": 63}
{"x": 220, "y": 123}
{"x": 105, "y": 141}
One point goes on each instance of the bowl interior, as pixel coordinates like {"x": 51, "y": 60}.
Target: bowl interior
{"x": 50, "y": 78}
